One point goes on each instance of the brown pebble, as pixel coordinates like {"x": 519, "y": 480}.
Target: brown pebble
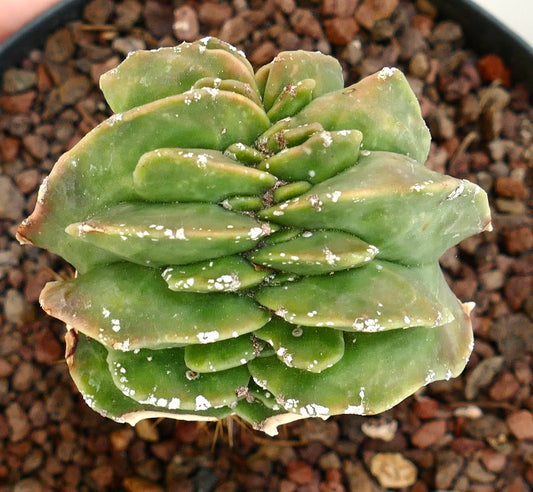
{"x": 517, "y": 289}
{"x": 341, "y": 30}
{"x": 429, "y": 433}
{"x": 492, "y": 280}
{"x": 518, "y": 240}
{"x": 9, "y": 146}
{"x": 4, "y": 427}
{"x": 121, "y": 438}
{"x": 511, "y": 207}
{"x": 423, "y": 24}
{"x": 288, "y": 41}
{"x": 36, "y": 282}
{"x": 186, "y": 432}
{"x": 59, "y": 403}
{"x": 446, "y": 32}
{"x": 492, "y": 460}
{"x": 264, "y": 53}
{"x": 523, "y": 372}
{"x": 5, "y": 368}
{"x": 504, "y": 388}
{"x": 371, "y": 11}
{"x": 520, "y": 423}
{"x": 16, "y": 309}
{"x": 447, "y": 468}
{"x": 214, "y": 14}
{"x": 186, "y": 26}
{"x": 37, "y": 415}
{"x": 305, "y": 23}
{"x": 36, "y": 145}
{"x": 235, "y": 29}
{"x": 137, "y": 484}
{"x": 128, "y": 13}
{"x": 465, "y": 288}
{"x": 24, "y": 376}
{"x": 419, "y": 65}
{"x": 286, "y": 6}
{"x": 509, "y": 187}
{"x": 102, "y": 476}
{"x": 28, "y": 485}
{"x": 392, "y": 470}
{"x": 146, "y": 430}
{"x": 32, "y": 461}
{"x": 49, "y": 350}
{"x": 18, "y": 103}
{"x": 158, "y": 18}
{"x": 425, "y": 407}
{"x": 74, "y": 89}
{"x": 18, "y": 422}
{"x": 44, "y": 82}
{"x": 338, "y": 8}
{"x": 59, "y": 46}
{"x": 517, "y": 484}
{"x": 18, "y": 80}
{"x": 164, "y": 450}
{"x": 98, "y": 11}
{"x": 299, "y": 472}
{"x": 28, "y": 180}
{"x": 477, "y": 473}
{"x": 357, "y": 477}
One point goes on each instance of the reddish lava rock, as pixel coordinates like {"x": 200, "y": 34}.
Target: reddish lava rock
{"x": 491, "y": 67}
{"x": 299, "y": 472}
{"x": 341, "y": 31}
{"x": 521, "y": 424}
{"x": 425, "y": 408}
{"x": 429, "y": 433}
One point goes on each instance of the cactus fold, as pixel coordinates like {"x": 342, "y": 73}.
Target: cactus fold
{"x": 259, "y": 244}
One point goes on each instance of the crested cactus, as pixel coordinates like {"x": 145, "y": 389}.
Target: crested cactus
{"x": 260, "y": 244}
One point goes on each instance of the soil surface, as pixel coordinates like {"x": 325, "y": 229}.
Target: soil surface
{"x": 473, "y": 433}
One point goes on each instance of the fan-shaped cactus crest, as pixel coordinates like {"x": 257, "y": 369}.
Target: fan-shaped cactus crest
{"x": 261, "y": 244}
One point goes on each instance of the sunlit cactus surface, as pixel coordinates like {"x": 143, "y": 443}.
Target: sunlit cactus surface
{"x": 259, "y": 244}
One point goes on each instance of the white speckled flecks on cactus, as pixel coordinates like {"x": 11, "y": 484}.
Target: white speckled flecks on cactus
{"x": 517, "y": 15}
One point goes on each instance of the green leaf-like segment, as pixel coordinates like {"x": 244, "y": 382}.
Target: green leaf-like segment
{"x": 375, "y": 297}
{"x": 173, "y": 70}
{"x": 310, "y": 349}
{"x": 213, "y": 357}
{"x": 194, "y": 175}
{"x": 291, "y": 67}
{"x": 156, "y": 377}
{"x": 316, "y": 252}
{"x": 228, "y": 274}
{"x": 170, "y": 233}
{"x": 105, "y": 305}
{"x": 320, "y": 157}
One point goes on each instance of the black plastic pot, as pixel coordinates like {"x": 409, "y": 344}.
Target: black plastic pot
{"x": 484, "y": 33}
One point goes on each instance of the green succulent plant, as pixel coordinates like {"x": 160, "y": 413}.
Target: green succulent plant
{"x": 261, "y": 244}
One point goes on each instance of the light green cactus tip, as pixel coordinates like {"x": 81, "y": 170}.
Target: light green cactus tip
{"x": 262, "y": 245}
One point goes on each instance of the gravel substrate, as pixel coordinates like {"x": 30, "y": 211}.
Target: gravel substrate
{"x": 473, "y": 433}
